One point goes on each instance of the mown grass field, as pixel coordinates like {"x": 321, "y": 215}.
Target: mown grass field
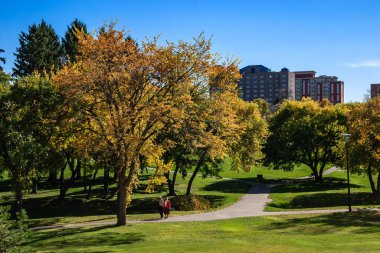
{"x": 341, "y": 232}
{"x": 330, "y": 194}
{"x": 45, "y": 209}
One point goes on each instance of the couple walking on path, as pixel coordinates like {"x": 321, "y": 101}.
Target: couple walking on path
{"x": 164, "y": 206}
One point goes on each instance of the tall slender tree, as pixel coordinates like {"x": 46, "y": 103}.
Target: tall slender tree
{"x": 40, "y": 50}
{"x": 70, "y": 41}
{"x": 2, "y": 59}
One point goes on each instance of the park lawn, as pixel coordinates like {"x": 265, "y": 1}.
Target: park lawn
{"x": 339, "y": 232}
{"x": 44, "y": 209}
{"x": 330, "y": 194}
{"x": 267, "y": 173}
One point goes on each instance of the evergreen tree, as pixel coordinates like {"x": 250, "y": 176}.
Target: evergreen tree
{"x": 2, "y": 59}
{"x": 39, "y": 50}
{"x": 70, "y": 41}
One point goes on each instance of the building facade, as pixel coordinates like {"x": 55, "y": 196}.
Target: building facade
{"x": 259, "y": 81}
{"x": 375, "y": 90}
{"x": 319, "y": 88}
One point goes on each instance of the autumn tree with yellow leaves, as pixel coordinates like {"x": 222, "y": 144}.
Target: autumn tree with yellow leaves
{"x": 126, "y": 94}
{"x": 364, "y": 127}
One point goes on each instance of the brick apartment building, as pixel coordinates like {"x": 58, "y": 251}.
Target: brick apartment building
{"x": 318, "y": 88}
{"x": 375, "y": 90}
{"x": 260, "y": 82}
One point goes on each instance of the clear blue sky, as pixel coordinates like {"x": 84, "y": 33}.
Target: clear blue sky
{"x": 332, "y": 37}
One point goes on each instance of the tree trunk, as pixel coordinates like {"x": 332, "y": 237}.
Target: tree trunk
{"x": 52, "y": 179}
{"x": 320, "y": 176}
{"x": 91, "y": 183}
{"x": 106, "y": 181}
{"x": 34, "y": 186}
{"x": 18, "y": 191}
{"x": 72, "y": 167}
{"x": 378, "y": 184}
{"x": 62, "y": 190}
{"x": 85, "y": 176}
{"x": 121, "y": 198}
{"x": 78, "y": 169}
{"x": 200, "y": 162}
{"x": 371, "y": 182}
{"x": 317, "y": 176}
{"x": 171, "y": 183}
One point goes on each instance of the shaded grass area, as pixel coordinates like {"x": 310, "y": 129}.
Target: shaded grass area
{"x": 44, "y": 208}
{"x": 340, "y": 232}
{"x": 331, "y": 193}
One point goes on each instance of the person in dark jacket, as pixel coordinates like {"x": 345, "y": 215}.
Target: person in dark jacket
{"x": 161, "y": 207}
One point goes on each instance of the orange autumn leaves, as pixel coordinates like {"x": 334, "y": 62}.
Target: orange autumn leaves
{"x": 124, "y": 94}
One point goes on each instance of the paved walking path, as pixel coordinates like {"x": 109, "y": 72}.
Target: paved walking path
{"x": 251, "y": 204}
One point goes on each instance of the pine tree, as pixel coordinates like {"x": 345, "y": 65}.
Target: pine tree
{"x": 2, "y": 59}
{"x": 40, "y": 50}
{"x": 70, "y": 41}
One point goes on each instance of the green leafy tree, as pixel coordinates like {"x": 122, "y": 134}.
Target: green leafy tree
{"x": 40, "y": 50}
{"x": 70, "y": 40}
{"x": 364, "y": 127}
{"x": 2, "y": 59}
{"x": 304, "y": 132}
{"x": 13, "y": 233}
{"x": 24, "y": 106}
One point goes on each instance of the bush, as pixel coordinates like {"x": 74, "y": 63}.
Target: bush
{"x": 190, "y": 203}
{"x": 12, "y": 233}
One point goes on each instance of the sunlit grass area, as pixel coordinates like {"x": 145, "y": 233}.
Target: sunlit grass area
{"x": 341, "y": 232}
{"x": 331, "y": 193}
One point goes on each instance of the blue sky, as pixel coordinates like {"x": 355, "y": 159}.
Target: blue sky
{"x": 332, "y": 37}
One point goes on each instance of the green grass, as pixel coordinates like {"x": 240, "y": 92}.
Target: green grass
{"x": 330, "y": 194}
{"x": 343, "y": 232}
{"x": 44, "y": 208}
{"x": 268, "y": 174}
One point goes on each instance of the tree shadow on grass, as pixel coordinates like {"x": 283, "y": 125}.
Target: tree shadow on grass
{"x": 82, "y": 237}
{"x": 320, "y": 200}
{"x": 359, "y": 222}
{"x": 143, "y": 206}
{"x": 215, "y": 201}
{"x": 76, "y": 205}
{"x": 227, "y": 186}
{"x": 5, "y": 185}
{"x": 313, "y": 186}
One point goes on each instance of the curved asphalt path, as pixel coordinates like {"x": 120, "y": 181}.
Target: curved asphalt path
{"x": 251, "y": 204}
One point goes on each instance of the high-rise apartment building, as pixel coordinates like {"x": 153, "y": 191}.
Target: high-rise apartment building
{"x": 318, "y": 88}
{"x": 375, "y": 90}
{"x": 260, "y": 82}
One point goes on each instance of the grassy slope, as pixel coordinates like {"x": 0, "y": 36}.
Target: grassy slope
{"x": 356, "y": 232}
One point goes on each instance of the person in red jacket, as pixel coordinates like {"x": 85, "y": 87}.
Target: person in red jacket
{"x": 167, "y": 206}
